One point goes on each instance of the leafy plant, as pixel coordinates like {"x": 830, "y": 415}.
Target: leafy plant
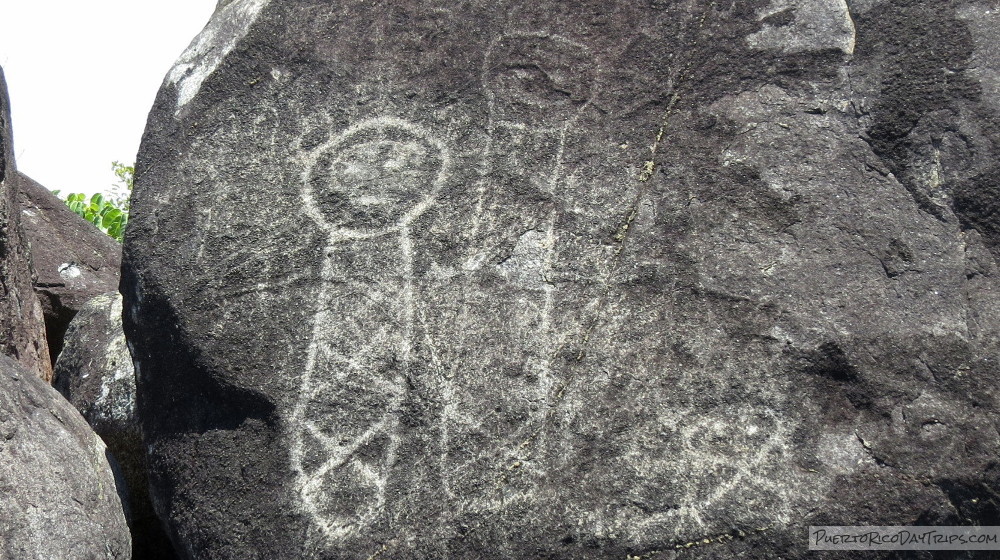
{"x": 108, "y": 211}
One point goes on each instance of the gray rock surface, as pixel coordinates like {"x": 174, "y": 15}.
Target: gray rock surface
{"x": 22, "y": 327}
{"x": 569, "y": 280}
{"x": 95, "y": 374}
{"x": 60, "y": 496}
{"x": 73, "y": 260}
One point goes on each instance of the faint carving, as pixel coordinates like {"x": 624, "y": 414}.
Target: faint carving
{"x": 537, "y": 85}
{"x": 537, "y": 81}
{"x": 985, "y": 65}
{"x": 363, "y": 188}
{"x": 721, "y": 457}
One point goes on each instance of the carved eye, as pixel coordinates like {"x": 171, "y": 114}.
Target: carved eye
{"x": 403, "y": 155}
{"x": 356, "y": 166}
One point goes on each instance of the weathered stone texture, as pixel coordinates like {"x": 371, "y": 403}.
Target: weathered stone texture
{"x": 94, "y": 372}
{"x": 60, "y": 496}
{"x": 568, "y": 279}
{"x": 22, "y": 327}
{"x": 73, "y": 260}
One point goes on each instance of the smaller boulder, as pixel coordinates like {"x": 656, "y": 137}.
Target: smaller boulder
{"x": 74, "y": 261}
{"x": 95, "y": 374}
{"x": 60, "y": 494}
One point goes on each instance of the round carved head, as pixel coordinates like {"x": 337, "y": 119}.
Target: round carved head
{"x": 373, "y": 177}
{"x": 538, "y": 80}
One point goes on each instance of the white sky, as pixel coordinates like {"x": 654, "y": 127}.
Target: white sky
{"x": 82, "y": 77}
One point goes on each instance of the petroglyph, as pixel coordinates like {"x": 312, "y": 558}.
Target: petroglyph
{"x": 735, "y": 456}
{"x": 367, "y": 181}
{"x": 537, "y": 85}
{"x": 363, "y": 187}
{"x": 605, "y": 326}
{"x": 537, "y": 81}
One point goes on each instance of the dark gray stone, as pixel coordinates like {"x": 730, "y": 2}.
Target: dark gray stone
{"x": 60, "y": 496}
{"x": 568, "y": 280}
{"x": 22, "y": 327}
{"x": 94, "y": 372}
{"x": 73, "y": 260}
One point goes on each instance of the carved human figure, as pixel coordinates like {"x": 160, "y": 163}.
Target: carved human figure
{"x": 363, "y": 189}
{"x": 536, "y": 86}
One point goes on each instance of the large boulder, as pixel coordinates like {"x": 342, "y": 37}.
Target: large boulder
{"x": 73, "y": 260}
{"x": 94, "y": 372}
{"x": 60, "y": 495}
{"x": 569, "y": 280}
{"x": 22, "y": 326}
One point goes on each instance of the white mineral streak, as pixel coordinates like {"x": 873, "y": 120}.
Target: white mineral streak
{"x": 69, "y": 271}
{"x": 117, "y": 398}
{"x": 228, "y": 25}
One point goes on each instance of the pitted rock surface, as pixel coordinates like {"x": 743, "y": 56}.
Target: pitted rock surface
{"x": 73, "y": 260}
{"x": 22, "y": 326}
{"x": 60, "y": 494}
{"x": 568, "y": 280}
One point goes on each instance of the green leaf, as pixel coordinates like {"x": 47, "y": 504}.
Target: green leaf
{"x": 111, "y": 217}
{"x": 108, "y": 211}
